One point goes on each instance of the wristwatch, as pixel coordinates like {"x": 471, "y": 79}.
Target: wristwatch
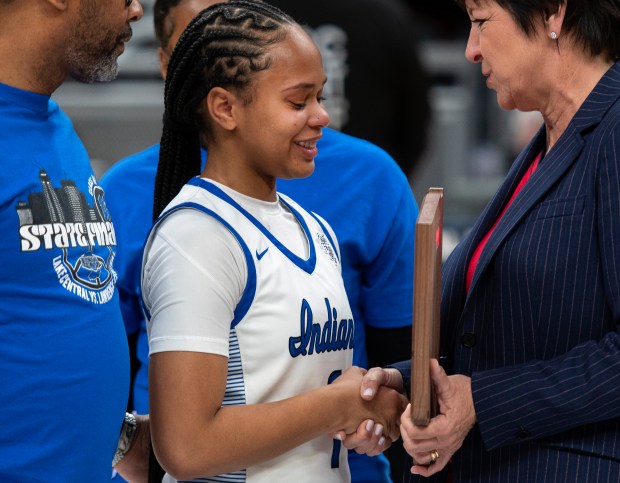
{"x": 128, "y": 431}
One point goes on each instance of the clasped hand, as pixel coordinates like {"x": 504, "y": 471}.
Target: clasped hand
{"x": 444, "y": 434}
{"x": 380, "y": 414}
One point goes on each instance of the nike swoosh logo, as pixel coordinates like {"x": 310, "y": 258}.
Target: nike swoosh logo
{"x": 261, "y": 254}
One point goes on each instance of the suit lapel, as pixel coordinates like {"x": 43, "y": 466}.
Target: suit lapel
{"x": 551, "y": 169}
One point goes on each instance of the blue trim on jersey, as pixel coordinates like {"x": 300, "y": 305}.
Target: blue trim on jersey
{"x": 335, "y": 460}
{"x": 237, "y": 477}
{"x": 234, "y": 396}
{"x": 306, "y": 265}
{"x": 322, "y": 225}
{"x": 235, "y": 381}
{"x": 250, "y": 287}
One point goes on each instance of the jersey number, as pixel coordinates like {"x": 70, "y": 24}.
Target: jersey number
{"x": 337, "y": 444}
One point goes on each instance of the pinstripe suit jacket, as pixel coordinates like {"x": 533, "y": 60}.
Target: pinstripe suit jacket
{"x": 539, "y": 331}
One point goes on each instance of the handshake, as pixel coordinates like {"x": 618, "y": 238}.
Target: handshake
{"x": 377, "y": 399}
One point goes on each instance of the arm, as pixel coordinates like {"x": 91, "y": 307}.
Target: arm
{"x": 578, "y": 387}
{"x": 193, "y": 435}
{"x": 570, "y": 391}
{"x": 386, "y": 293}
{"x": 365, "y": 440}
{"x": 446, "y": 431}
{"x": 134, "y": 466}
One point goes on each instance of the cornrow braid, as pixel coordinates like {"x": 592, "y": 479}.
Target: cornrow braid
{"x": 222, "y": 47}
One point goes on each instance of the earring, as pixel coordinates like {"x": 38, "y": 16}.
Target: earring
{"x": 554, "y": 36}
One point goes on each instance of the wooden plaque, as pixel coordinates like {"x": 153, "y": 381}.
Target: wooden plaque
{"x": 426, "y": 302}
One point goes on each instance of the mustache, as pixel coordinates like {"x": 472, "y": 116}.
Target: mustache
{"x": 125, "y": 36}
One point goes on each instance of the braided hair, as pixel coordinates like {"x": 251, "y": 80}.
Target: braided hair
{"x": 222, "y": 47}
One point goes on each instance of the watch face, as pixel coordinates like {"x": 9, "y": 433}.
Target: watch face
{"x": 126, "y": 437}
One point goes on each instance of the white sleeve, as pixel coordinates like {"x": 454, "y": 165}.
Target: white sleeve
{"x": 193, "y": 276}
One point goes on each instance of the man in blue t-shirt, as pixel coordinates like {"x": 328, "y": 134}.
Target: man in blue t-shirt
{"x": 65, "y": 366}
{"x": 356, "y": 186}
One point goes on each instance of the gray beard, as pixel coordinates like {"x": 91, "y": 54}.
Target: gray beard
{"x": 89, "y": 71}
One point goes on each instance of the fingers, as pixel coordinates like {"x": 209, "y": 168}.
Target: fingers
{"x": 375, "y": 439}
{"x": 426, "y": 459}
{"x": 384, "y": 407}
{"x": 429, "y": 463}
{"x": 428, "y": 455}
{"x": 433, "y": 445}
{"x": 371, "y": 382}
{"x": 387, "y": 407}
{"x": 368, "y": 439}
{"x": 381, "y": 402}
{"x": 418, "y": 441}
{"x": 357, "y": 439}
{"x": 377, "y": 377}
{"x": 439, "y": 378}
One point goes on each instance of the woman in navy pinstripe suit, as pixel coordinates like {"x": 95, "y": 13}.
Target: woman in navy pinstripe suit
{"x": 531, "y": 297}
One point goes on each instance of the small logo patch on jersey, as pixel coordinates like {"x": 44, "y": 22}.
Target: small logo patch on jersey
{"x": 261, "y": 254}
{"x": 327, "y": 247}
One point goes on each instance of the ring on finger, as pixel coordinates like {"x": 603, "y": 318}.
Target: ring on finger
{"x": 434, "y": 456}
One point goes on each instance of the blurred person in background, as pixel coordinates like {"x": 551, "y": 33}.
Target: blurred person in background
{"x": 439, "y": 19}
{"x": 377, "y": 88}
{"x": 530, "y": 313}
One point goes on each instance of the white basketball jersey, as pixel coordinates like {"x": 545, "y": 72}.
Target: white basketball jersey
{"x": 292, "y": 331}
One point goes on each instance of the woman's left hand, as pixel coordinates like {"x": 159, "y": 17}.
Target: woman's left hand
{"x": 368, "y": 439}
{"x": 432, "y": 446}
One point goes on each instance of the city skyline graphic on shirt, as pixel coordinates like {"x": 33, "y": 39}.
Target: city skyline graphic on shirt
{"x": 66, "y": 204}
{"x": 61, "y": 218}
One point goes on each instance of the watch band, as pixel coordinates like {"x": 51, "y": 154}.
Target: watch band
{"x": 128, "y": 431}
